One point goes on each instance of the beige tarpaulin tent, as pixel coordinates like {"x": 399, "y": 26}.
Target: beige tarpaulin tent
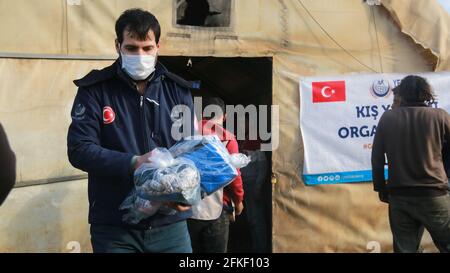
{"x": 46, "y": 44}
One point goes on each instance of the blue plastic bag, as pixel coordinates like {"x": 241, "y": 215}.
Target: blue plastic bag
{"x": 216, "y": 166}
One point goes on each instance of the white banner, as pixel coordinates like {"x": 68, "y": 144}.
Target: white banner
{"x": 338, "y": 119}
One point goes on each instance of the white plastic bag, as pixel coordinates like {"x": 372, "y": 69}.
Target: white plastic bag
{"x": 167, "y": 179}
{"x": 164, "y": 179}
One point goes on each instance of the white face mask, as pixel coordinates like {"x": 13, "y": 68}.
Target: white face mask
{"x": 138, "y": 67}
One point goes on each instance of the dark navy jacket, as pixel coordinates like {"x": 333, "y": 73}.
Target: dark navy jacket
{"x": 112, "y": 122}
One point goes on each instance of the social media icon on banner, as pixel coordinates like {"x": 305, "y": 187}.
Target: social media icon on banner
{"x": 328, "y": 91}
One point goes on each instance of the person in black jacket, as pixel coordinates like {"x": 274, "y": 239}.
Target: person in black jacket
{"x": 119, "y": 115}
{"x": 413, "y": 139}
{"x": 8, "y": 166}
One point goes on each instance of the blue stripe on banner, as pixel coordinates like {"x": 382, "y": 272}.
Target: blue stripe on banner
{"x": 337, "y": 178}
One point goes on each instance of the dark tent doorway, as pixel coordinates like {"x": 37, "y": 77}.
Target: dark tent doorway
{"x": 238, "y": 81}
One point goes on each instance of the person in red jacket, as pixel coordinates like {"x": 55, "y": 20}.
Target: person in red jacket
{"x": 209, "y": 224}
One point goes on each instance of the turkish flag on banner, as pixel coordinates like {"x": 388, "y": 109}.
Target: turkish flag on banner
{"x": 328, "y": 91}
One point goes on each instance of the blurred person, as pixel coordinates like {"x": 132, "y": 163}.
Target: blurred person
{"x": 209, "y": 224}
{"x": 8, "y": 166}
{"x": 254, "y": 175}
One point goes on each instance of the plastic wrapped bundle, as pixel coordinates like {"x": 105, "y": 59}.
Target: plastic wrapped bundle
{"x": 178, "y": 175}
{"x": 163, "y": 180}
{"x": 138, "y": 208}
{"x": 166, "y": 179}
{"x": 217, "y": 168}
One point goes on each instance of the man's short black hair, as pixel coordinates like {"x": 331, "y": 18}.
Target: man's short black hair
{"x": 206, "y": 101}
{"x": 138, "y": 22}
{"x": 414, "y": 89}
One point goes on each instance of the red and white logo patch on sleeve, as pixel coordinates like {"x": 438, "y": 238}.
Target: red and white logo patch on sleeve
{"x": 333, "y": 91}
{"x": 108, "y": 115}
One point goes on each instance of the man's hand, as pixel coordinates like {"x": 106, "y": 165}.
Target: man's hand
{"x": 384, "y": 197}
{"x": 142, "y": 159}
{"x": 239, "y": 207}
{"x": 178, "y": 206}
